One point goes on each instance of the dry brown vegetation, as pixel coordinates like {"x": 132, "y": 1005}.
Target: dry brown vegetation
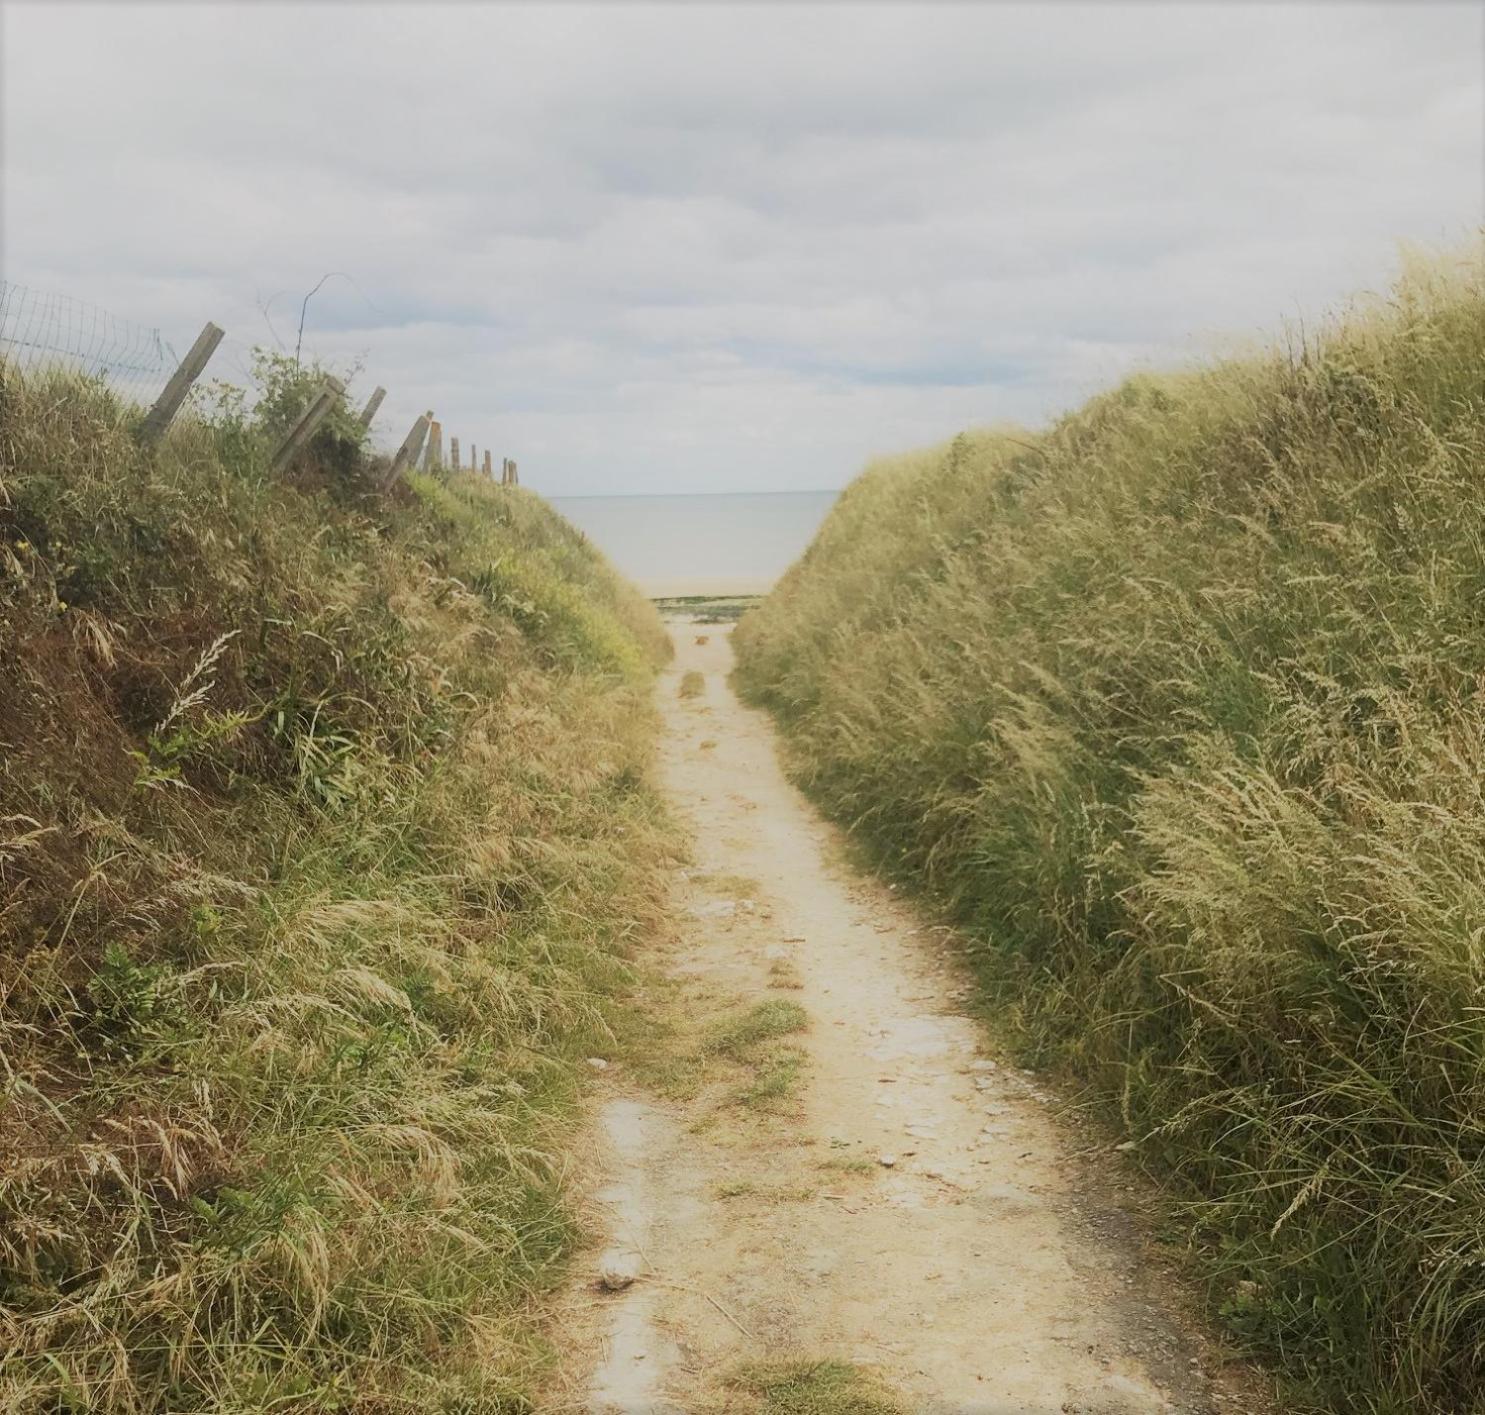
{"x": 325, "y": 833}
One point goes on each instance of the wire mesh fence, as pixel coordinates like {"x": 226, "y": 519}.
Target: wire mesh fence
{"x": 39, "y": 329}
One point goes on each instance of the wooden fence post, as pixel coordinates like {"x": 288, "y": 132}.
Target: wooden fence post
{"x": 505, "y": 471}
{"x": 515, "y": 475}
{"x": 472, "y": 450}
{"x": 407, "y": 454}
{"x": 454, "y": 453}
{"x": 434, "y": 460}
{"x": 167, "y": 405}
{"x": 309, "y": 420}
{"x": 372, "y": 404}
{"x": 488, "y": 471}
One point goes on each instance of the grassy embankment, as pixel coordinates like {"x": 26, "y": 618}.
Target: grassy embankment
{"x": 1179, "y": 707}
{"x": 324, "y": 835}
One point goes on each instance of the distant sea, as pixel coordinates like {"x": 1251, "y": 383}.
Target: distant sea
{"x": 722, "y": 544}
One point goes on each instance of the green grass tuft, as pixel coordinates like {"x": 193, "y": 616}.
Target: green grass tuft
{"x": 741, "y": 1034}
{"x": 748, "y": 1038}
{"x": 812, "y": 1388}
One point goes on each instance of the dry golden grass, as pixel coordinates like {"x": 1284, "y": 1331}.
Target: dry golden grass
{"x": 1177, "y": 707}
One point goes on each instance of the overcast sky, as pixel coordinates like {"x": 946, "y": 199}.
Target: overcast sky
{"x": 664, "y": 248}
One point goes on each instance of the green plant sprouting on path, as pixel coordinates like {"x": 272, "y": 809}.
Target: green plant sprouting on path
{"x": 1178, "y": 708}
{"x": 324, "y": 835}
{"x": 805, "y": 1387}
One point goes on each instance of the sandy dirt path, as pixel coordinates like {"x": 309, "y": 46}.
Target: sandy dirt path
{"x": 913, "y": 1207}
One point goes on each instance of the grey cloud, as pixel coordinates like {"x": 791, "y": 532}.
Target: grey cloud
{"x": 715, "y": 247}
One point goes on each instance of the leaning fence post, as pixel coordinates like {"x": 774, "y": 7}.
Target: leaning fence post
{"x": 412, "y": 444}
{"x": 434, "y": 459}
{"x": 372, "y": 404}
{"x": 167, "y": 405}
{"x": 309, "y": 421}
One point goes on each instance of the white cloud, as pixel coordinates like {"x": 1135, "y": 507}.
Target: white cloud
{"x": 709, "y": 247}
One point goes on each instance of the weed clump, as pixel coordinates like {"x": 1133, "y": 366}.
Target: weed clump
{"x": 741, "y": 1034}
{"x": 1177, "y": 707}
{"x": 324, "y": 835}
{"x": 809, "y": 1387}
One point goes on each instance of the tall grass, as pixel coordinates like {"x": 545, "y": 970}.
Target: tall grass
{"x": 1180, "y": 708}
{"x": 324, "y": 833}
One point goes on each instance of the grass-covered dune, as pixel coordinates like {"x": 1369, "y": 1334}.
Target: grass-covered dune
{"x": 324, "y": 834}
{"x": 1179, "y": 707}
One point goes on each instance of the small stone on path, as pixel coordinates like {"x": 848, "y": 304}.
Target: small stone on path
{"x": 614, "y": 1277}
